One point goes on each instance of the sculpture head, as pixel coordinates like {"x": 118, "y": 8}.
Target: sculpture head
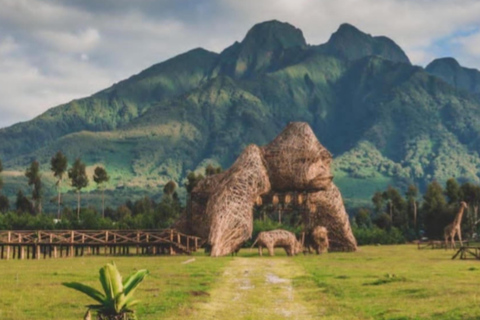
{"x": 297, "y": 161}
{"x": 320, "y": 237}
{"x": 298, "y": 247}
{"x": 464, "y": 205}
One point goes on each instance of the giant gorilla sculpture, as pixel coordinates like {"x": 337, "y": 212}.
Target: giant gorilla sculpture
{"x": 295, "y": 162}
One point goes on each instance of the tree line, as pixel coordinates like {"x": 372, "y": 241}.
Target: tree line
{"x": 144, "y": 213}
{"x": 412, "y": 216}
{"x": 58, "y": 165}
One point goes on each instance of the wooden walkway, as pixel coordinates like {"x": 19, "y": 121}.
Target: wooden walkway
{"x": 466, "y": 252}
{"x": 70, "y": 243}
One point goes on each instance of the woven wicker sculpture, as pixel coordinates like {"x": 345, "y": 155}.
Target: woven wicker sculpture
{"x": 278, "y": 238}
{"x": 294, "y": 163}
{"x": 317, "y": 239}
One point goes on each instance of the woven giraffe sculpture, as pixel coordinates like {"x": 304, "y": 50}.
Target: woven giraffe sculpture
{"x": 454, "y": 228}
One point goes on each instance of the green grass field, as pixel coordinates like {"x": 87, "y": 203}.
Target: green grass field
{"x": 382, "y": 282}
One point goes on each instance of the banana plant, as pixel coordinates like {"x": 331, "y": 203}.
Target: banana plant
{"x": 116, "y": 301}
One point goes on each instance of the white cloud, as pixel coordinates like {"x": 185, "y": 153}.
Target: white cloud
{"x": 81, "y": 41}
{"x": 470, "y": 43}
{"x": 414, "y": 25}
{"x": 26, "y": 91}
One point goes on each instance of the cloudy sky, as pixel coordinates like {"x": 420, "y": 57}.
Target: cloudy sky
{"x": 53, "y": 51}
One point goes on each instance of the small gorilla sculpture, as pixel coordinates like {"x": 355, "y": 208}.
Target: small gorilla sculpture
{"x": 278, "y": 238}
{"x": 317, "y": 239}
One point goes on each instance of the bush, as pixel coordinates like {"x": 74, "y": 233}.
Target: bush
{"x": 375, "y": 235}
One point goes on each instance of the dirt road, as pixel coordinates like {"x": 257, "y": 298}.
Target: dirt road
{"x": 256, "y": 288}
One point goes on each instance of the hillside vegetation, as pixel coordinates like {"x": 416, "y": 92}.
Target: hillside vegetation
{"x": 385, "y": 120}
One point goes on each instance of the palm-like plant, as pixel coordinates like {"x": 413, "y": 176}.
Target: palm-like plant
{"x": 117, "y": 300}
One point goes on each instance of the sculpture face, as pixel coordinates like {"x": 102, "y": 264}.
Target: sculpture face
{"x": 297, "y": 161}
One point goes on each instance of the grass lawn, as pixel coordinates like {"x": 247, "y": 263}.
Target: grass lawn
{"x": 377, "y": 282}
{"x": 31, "y": 289}
{"x": 392, "y": 282}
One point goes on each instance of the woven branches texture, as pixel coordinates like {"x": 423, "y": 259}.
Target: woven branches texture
{"x": 294, "y": 163}
{"x": 230, "y": 207}
{"x": 327, "y": 209}
{"x": 297, "y": 161}
{"x": 278, "y": 238}
{"x": 320, "y": 239}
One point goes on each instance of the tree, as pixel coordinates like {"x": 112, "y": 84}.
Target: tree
{"x": 434, "y": 210}
{"x": 116, "y": 301}
{"x": 1, "y": 169}
{"x": 396, "y": 207}
{"x": 34, "y": 179}
{"x": 211, "y": 170}
{"x": 378, "y": 201}
{"x": 169, "y": 188}
{"x": 79, "y": 180}
{"x": 100, "y": 177}
{"x": 22, "y": 204}
{"x": 471, "y": 195}
{"x": 362, "y": 219}
{"x": 58, "y": 164}
{"x": 453, "y": 191}
{"x": 192, "y": 181}
{"x": 4, "y": 204}
{"x": 412, "y": 195}
{"x": 383, "y": 221}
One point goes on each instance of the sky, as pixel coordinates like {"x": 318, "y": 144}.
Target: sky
{"x": 53, "y": 51}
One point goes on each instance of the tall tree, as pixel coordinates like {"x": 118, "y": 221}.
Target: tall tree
{"x": 4, "y": 205}
{"x": 434, "y": 210}
{"x": 192, "y": 181}
{"x": 471, "y": 195}
{"x": 22, "y": 203}
{"x": 362, "y": 218}
{"x": 78, "y": 177}
{"x": 100, "y": 177}
{"x": 169, "y": 188}
{"x": 1, "y": 169}
{"x": 412, "y": 195}
{"x": 58, "y": 165}
{"x": 378, "y": 202}
{"x": 396, "y": 207}
{"x": 34, "y": 179}
{"x": 453, "y": 191}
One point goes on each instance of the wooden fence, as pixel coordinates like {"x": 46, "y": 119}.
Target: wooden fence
{"x": 466, "y": 252}
{"x": 436, "y": 244}
{"x": 68, "y": 243}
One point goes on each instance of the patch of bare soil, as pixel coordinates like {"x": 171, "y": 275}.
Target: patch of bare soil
{"x": 256, "y": 288}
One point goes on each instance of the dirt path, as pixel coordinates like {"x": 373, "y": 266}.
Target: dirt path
{"x": 256, "y": 288}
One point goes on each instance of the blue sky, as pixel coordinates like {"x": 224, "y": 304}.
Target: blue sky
{"x": 53, "y": 51}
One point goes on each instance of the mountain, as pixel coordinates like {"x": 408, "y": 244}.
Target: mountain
{"x": 449, "y": 70}
{"x": 350, "y": 43}
{"x": 385, "y": 121}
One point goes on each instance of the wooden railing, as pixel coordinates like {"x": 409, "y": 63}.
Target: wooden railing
{"x": 466, "y": 252}
{"x": 23, "y": 244}
{"x": 437, "y": 244}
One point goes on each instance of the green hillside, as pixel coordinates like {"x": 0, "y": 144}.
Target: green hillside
{"x": 385, "y": 121}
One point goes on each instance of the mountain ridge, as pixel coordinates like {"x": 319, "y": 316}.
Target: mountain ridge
{"x": 385, "y": 120}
